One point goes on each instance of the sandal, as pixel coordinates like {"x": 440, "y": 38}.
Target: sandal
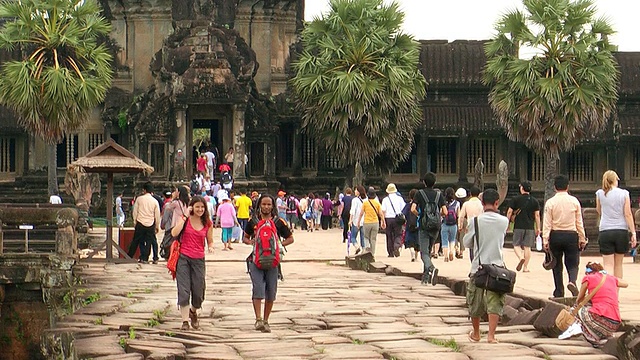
{"x": 520, "y": 265}
{"x": 471, "y": 338}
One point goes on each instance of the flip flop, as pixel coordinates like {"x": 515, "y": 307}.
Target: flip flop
{"x": 526, "y": 270}
{"x": 494, "y": 341}
{"x": 520, "y": 265}
{"x": 471, "y": 338}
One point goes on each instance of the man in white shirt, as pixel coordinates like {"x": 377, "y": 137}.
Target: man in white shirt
{"x": 146, "y": 219}
{"x": 211, "y": 163}
{"x": 392, "y": 206}
{"x": 55, "y": 199}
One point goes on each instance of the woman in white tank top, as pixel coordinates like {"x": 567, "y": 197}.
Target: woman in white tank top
{"x": 616, "y": 223}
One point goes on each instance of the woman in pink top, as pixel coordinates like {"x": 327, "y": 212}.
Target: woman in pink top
{"x": 226, "y": 217}
{"x": 601, "y": 319}
{"x": 190, "y": 271}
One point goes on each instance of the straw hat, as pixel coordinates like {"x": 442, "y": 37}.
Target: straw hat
{"x": 461, "y": 193}
{"x": 391, "y": 188}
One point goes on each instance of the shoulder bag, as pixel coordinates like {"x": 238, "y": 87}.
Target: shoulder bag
{"x": 374, "y": 209}
{"x": 400, "y": 218}
{"x": 565, "y": 318}
{"x": 492, "y": 277}
{"x": 174, "y": 252}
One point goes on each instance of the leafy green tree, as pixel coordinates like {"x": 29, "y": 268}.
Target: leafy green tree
{"x": 566, "y": 90}
{"x": 359, "y": 84}
{"x": 63, "y": 73}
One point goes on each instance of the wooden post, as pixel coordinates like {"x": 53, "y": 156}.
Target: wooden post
{"x": 109, "y": 216}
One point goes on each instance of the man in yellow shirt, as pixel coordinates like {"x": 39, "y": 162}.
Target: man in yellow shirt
{"x": 243, "y": 204}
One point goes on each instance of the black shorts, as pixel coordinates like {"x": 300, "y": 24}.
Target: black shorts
{"x": 614, "y": 242}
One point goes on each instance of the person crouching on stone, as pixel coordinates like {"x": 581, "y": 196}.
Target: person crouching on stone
{"x": 487, "y": 250}
{"x": 190, "y": 271}
{"x": 599, "y": 320}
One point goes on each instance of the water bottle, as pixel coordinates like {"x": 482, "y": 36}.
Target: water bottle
{"x": 539, "y": 243}
{"x": 348, "y": 240}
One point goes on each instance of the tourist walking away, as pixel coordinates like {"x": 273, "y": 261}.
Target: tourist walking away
{"x": 449, "y": 229}
{"x": 228, "y": 157}
{"x": 617, "y": 228}
{"x": 55, "y": 199}
{"x": 226, "y": 218}
{"x": 327, "y": 212}
{"x": 211, "y": 163}
{"x": 202, "y": 164}
{"x": 357, "y": 228}
{"x": 120, "y": 217}
{"x": 345, "y": 214}
{"x": 146, "y": 220}
{"x": 179, "y": 166}
{"x": 411, "y": 227}
{"x": 563, "y": 234}
{"x": 190, "y": 270}
{"x": 461, "y": 196}
{"x": 599, "y": 317}
{"x": 292, "y": 210}
{"x": 373, "y": 218}
{"x": 317, "y": 210}
{"x": 166, "y": 221}
{"x": 264, "y": 232}
{"x": 524, "y": 212}
{"x": 243, "y": 204}
{"x": 429, "y": 204}
{"x": 470, "y": 209}
{"x": 486, "y": 237}
{"x": 392, "y": 206}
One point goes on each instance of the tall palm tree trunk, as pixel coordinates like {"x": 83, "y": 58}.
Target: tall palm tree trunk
{"x": 52, "y": 169}
{"x": 550, "y": 172}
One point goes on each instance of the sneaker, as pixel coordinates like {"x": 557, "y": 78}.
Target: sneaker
{"x": 155, "y": 262}
{"x": 396, "y": 252}
{"x": 413, "y": 259}
{"x": 185, "y": 325}
{"x": 193, "y": 316}
{"x": 259, "y": 325}
{"x": 434, "y": 276}
{"x": 358, "y": 251}
{"x": 573, "y": 288}
{"x": 266, "y": 328}
{"x": 573, "y": 330}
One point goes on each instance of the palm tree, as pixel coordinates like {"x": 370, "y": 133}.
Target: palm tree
{"x": 358, "y": 83}
{"x": 564, "y": 92}
{"x": 63, "y": 73}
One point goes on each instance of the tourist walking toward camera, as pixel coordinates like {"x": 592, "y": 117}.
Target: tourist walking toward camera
{"x": 429, "y": 205}
{"x": 392, "y": 206}
{"x": 563, "y": 234}
{"x": 263, "y": 232}
{"x": 617, "y": 228}
{"x": 524, "y": 211}
{"x": 487, "y": 249}
{"x": 226, "y": 217}
{"x": 357, "y": 230}
{"x": 193, "y": 230}
{"x": 373, "y": 217}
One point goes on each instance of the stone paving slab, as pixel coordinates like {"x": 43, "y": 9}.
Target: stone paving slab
{"x": 323, "y": 311}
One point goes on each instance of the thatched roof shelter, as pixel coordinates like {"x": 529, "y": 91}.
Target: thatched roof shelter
{"x": 110, "y": 158}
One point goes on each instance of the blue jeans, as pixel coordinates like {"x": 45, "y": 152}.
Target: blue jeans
{"x": 426, "y": 240}
{"x": 354, "y": 234}
{"x": 448, "y": 235}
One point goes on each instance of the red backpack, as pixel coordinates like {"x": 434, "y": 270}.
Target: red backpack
{"x": 266, "y": 251}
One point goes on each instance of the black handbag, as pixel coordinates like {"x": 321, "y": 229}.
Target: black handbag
{"x": 492, "y": 277}
{"x": 400, "y": 218}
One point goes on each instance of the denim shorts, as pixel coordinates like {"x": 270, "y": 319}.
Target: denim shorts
{"x": 265, "y": 282}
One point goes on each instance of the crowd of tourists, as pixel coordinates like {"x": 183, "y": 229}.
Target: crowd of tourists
{"x": 432, "y": 224}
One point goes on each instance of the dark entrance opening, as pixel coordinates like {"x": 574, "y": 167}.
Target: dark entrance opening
{"x": 67, "y": 151}
{"x": 207, "y": 133}
{"x": 410, "y": 165}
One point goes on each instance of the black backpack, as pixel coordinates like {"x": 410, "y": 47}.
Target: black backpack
{"x": 430, "y": 219}
{"x": 194, "y": 186}
{"x": 226, "y": 177}
{"x": 291, "y": 204}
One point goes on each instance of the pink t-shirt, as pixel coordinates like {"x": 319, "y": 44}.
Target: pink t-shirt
{"x": 192, "y": 241}
{"x": 227, "y": 214}
{"x": 605, "y": 301}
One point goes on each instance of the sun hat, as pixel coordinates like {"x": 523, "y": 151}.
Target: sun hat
{"x": 461, "y": 193}
{"x": 223, "y": 197}
{"x": 391, "y": 188}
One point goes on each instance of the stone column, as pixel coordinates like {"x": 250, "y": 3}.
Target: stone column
{"x": 181, "y": 141}
{"x": 512, "y": 159}
{"x": 463, "y": 145}
{"x": 270, "y": 155}
{"x": 239, "y": 145}
{"x": 422, "y": 151}
{"x": 260, "y": 42}
{"x": 297, "y": 152}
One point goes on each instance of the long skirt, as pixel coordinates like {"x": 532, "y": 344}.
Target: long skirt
{"x": 596, "y": 328}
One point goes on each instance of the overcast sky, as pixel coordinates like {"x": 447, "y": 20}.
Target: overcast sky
{"x": 474, "y": 19}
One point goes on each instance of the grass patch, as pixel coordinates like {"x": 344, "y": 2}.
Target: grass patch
{"x": 357, "y": 342}
{"x": 91, "y": 299}
{"x": 158, "y": 317}
{"x": 170, "y": 334}
{"x": 98, "y": 321}
{"x": 451, "y": 343}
